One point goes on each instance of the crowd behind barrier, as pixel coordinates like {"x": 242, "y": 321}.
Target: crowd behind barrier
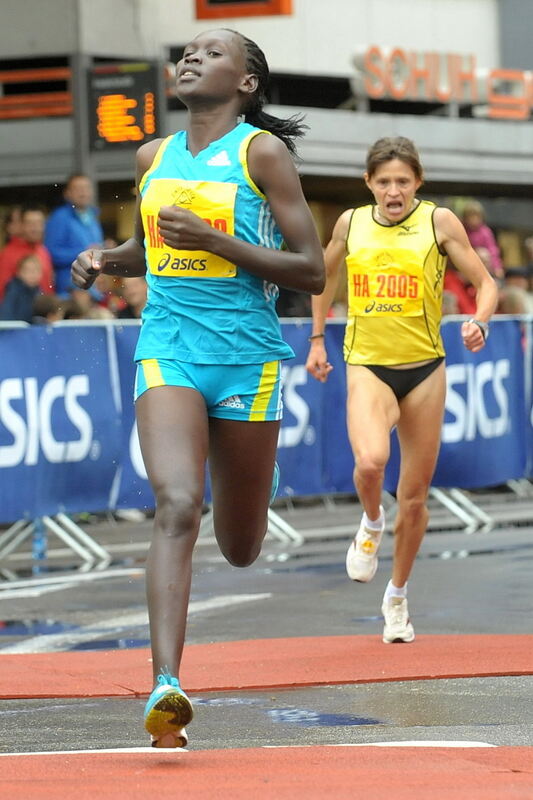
{"x": 68, "y": 440}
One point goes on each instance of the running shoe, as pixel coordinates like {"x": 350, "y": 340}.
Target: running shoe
{"x": 167, "y": 712}
{"x": 362, "y": 555}
{"x": 275, "y": 483}
{"x": 397, "y": 625}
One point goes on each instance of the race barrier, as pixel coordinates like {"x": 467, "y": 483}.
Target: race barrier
{"x": 68, "y": 439}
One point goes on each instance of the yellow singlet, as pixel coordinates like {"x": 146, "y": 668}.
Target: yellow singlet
{"x": 395, "y": 279}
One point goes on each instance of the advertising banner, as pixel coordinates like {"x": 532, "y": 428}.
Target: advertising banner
{"x": 68, "y": 440}
{"x": 59, "y": 426}
{"x": 483, "y": 441}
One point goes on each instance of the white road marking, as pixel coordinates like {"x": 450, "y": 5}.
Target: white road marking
{"x": 11, "y": 594}
{"x": 161, "y": 751}
{"x": 61, "y": 641}
{"x": 121, "y": 750}
{"x": 414, "y": 743}
{"x": 81, "y": 577}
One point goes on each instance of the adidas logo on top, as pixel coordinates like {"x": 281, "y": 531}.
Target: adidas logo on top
{"x": 220, "y": 160}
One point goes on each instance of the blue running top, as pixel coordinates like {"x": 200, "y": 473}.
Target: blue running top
{"x": 201, "y": 308}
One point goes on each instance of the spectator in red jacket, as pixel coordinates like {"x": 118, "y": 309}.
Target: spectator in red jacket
{"x": 29, "y": 242}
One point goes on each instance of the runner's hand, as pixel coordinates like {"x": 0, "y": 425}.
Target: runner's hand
{"x": 473, "y": 338}
{"x": 86, "y": 268}
{"x": 317, "y": 363}
{"x": 183, "y": 230}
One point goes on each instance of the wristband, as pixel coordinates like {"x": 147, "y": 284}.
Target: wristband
{"x": 316, "y": 336}
{"x": 483, "y": 327}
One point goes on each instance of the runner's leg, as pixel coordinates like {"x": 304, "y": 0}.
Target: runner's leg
{"x": 241, "y": 463}
{"x": 173, "y": 432}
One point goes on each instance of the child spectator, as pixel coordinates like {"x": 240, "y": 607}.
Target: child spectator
{"x": 48, "y": 308}
{"x": 29, "y": 242}
{"x": 22, "y": 289}
{"x": 481, "y": 236}
{"x": 134, "y": 293}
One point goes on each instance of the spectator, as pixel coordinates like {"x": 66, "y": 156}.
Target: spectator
{"x": 518, "y": 276}
{"x": 450, "y": 304}
{"x": 528, "y": 244}
{"x": 514, "y": 295}
{"x": 30, "y": 242}
{"x": 293, "y": 304}
{"x": 456, "y": 284}
{"x": 47, "y": 308}
{"x": 12, "y": 224}
{"x": 134, "y": 293}
{"x": 481, "y": 236}
{"x": 72, "y": 227}
{"x": 22, "y": 289}
{"x": 513, "y": 300}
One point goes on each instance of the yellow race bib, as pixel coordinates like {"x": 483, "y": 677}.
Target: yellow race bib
{"x": 384, "y": 283}
{"x": 213, "y": 202}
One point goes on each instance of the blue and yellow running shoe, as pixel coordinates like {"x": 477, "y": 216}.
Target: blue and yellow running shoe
{"x": 275, "y": 483}
{"x": 167, "y": 712}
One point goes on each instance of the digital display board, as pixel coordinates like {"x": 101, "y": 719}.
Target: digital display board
{"x": 122, "y": 105}
{"x": 215, "y": 9}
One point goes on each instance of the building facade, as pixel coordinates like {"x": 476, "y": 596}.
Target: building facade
{"x": 453, "y": 75}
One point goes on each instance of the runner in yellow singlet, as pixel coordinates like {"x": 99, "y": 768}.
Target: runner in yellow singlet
{"x": 395, "y": 252}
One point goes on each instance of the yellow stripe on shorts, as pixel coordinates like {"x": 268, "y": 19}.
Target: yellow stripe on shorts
{"x": 267, "y": 384}
{"x": 152, "y": 373}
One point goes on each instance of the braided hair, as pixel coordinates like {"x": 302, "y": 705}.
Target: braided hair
{"x": 285, "y": 129}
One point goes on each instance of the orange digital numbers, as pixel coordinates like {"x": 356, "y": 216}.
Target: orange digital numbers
{"x": 116, "y": 123}
{"x": 123, "y": 104}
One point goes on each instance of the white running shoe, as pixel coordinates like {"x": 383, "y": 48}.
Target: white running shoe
{"x": 397, "y": 626}
{"x": 362, "y": 555}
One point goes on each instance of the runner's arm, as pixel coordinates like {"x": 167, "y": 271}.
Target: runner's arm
{"x": 451, "y": 237}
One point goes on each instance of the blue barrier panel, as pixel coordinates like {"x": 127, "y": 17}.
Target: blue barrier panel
{"x": 483, "y": 441}
{"x": 300, "y": 452}
{"x": 301, "y": 435}
{"x": 313, "y": 415}
{"x": 59, "y": 430}
{"x": 133, "y": 489}
{"x": 68, "y": 440}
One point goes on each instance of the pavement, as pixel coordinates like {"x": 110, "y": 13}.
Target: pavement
{"x": 295, "y": 693}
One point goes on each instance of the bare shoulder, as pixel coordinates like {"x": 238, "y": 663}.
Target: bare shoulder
{"x": 146, "y": 153}
{"x": 446, "y": 222}
{"x": 267, "y": 145}
{"x": 340, "y": 230}
{"x": 267, "y": 153}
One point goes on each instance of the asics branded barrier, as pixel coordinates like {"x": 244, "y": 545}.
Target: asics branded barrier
{"x": 68, "y": 440}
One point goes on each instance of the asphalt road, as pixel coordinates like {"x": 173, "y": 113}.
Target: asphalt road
{"x": 462, "y": 584}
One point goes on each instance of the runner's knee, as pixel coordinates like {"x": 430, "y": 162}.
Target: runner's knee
{"x": 178, "y": 512}
{"x": 240, "y": 553}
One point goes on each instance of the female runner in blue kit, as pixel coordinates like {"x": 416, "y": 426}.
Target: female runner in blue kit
{"x": 217, "y": 201}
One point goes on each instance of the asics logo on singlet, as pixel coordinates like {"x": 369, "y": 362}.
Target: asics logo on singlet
{"x": 220, "y": 160}
{"x": 232, "y": 402}
{"x": 196, "y": 264}
{"x": 391, "y": 308}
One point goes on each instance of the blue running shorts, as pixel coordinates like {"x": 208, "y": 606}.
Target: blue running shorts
{"x": 249, "y": 392}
